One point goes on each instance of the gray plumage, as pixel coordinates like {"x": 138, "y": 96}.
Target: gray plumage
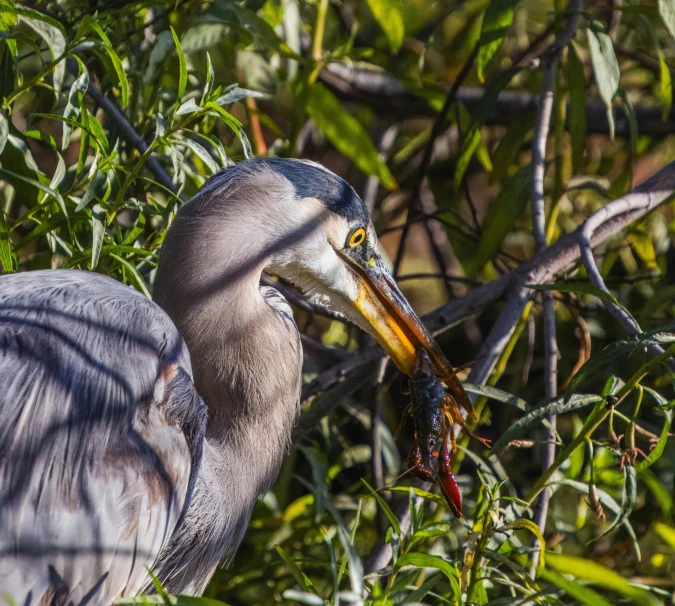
{"x": 137, "y": 434}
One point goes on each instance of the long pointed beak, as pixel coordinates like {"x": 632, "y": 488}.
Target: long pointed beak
{"x": 394, "y": 324}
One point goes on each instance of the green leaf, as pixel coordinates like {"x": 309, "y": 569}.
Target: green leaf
{"x": 507, "y": 153}
{"x": 98, "y": 231}
{"x": 667, "y": 14}
{"x": 425, "y": 560}
{"x": 655, "y": 454}
{"x": 346, "y": 134}
{"x": 294, "y": 569}
{"x": 502, "y": 214}
{"x": 619, "y": 349}
{"x": 592, "y": 572}
{"x": 210, "y": 76}
{"x": 533, "y": 417}
{"x": 581, "y": 593}
{"x": 237, "y": 94}
{"x": 4, "y": 130}
{"x": 628, "y": 498}
{"x": 182, "y": 79}
{"x": 12, "y": 177}
{"x": 576, "y": 81}
{"x": 115, "y": 61}
{"x": 605, "y": 66}
{"x": 159, "y": 51}
{"x": 303, "y": 597}
{"x": 136, "y": 278}
{"x": 667, "y": 533}
{"x": 5, "y": 246}
{"x": 189, "y": 107}
{"x": 52, "y": 33}
{"x": 496, "y": 22}
{"x": 389, "y": 15}
{"x": 393, "y": 520}
{"x": 665, "y": 87}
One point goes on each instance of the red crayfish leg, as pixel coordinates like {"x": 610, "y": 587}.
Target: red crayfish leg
{"x": 450, "y": 491}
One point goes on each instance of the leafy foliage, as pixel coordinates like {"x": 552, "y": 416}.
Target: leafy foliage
{"x": 114, "y": 112}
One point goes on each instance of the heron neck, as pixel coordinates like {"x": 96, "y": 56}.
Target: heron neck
{"x": 247, "y": 363}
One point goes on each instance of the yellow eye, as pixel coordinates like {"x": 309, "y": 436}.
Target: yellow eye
{"x": 357, "y": 237}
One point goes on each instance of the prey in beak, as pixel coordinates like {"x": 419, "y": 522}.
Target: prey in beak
{"x": 395, "y": 325}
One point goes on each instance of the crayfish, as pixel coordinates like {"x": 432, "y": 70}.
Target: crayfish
{"x": 434, "y": 414}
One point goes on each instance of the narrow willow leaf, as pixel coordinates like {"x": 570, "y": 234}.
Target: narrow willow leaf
{"x": 393, "y": 520}
{"x": 294, "y": 569}
{"x": 661, "y": 493}
{"x": 533, "y": 417}
{"x": 182, "y": 77}
{"x": 98, "y": 232}
{"x": 496, "y": 22}
{"x": 12, "y": 176}
{"x": 576, "y": 82}
{"x": 497, "y": 394}
{"x": 502, "y": 214}
{"x": 655, "y": 454}
{"x": 616, "y": 350}
{"x": 4, "y": 130}
{"x": 72, "y": 110}
{"x": 592, "y": 572}
{"x": 582, "y": 593}
{"x": 189, "y": 107}
{"x": 52, "y": 33}
{"x": 667, "y": 14}
{"x": 210, "y": 77}
{"x": 610, "y": 504}
{"x": 202, "y": 154}
{"x": 423, "y": 494}
{"x": 265, "y": 31}
{"x": 389, "y": 16}
{"x": 136, "y": 278}
{"x": 355, "y": 563}
{"x": 5, "y": 246}
{"x": 605, "y": 66}
{"x": 115, "y": 61}
{"x": 159, "y": 51}
{"x": 667, "y": 533}
{"x": 665, "y": 87}
{"x": 419, "y": 594}
{"x": 346, "y": 134}
{"x": 628, "y": 498}
{"x": 303, "y": 597}
{"x": 237, "y": 94}
{"x": 425, "y": 560}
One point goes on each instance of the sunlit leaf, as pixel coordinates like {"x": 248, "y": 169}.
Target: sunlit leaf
{"x": 557, "y": 407}
{"x": 347, "y": 134}
{"x": 393, "y": 520}
{"x": 182, "y": 67}
{"x": 582, "y": 593}
{"x": 592, "y": 572}
{"x": 389, "y": 15}
{"x": 605, "y": 66}
{"x": 496, "y": 22}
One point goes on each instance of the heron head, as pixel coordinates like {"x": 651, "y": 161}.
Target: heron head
{"x": 336, "y": 260}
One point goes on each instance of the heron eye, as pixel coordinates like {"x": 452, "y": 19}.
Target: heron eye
{"x": 357, "y": 237}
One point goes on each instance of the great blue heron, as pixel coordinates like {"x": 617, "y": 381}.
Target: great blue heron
{"x": 110, "y": 461}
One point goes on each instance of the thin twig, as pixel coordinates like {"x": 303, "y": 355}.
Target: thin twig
{"x": 373, "y": 183}
{"x": 542, "y": 126}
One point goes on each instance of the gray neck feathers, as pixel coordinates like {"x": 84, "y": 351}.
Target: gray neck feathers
{"x": 247, "y": 362}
